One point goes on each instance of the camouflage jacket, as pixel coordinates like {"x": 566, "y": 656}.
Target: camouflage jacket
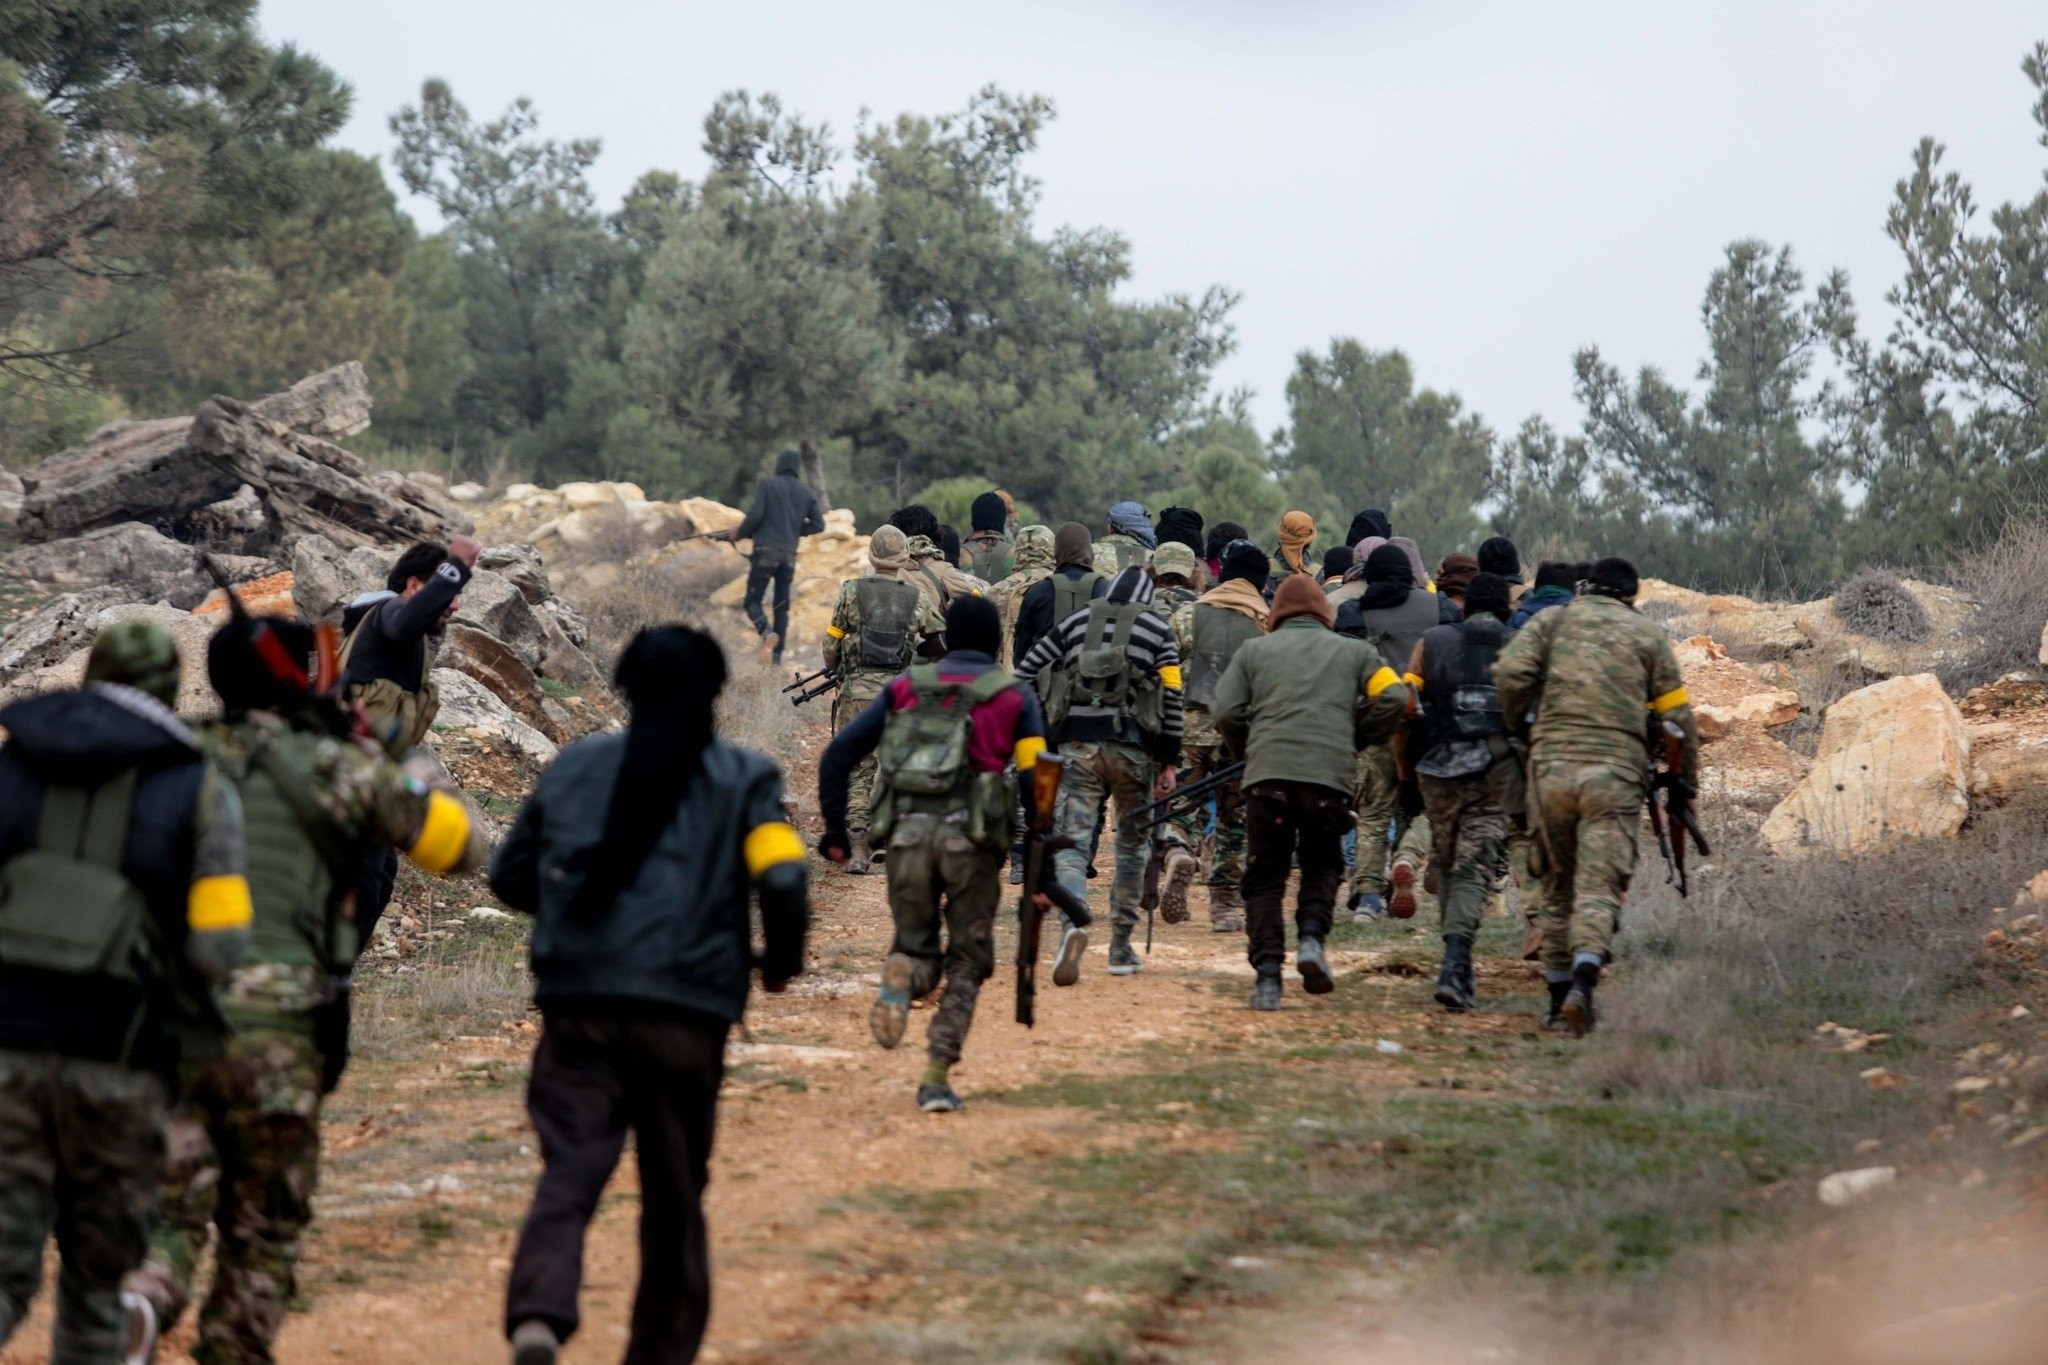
{"x": 1199, "y": 731}
{"x": 366, "y": 799}
{"x": 938, "y": 579}
{"x": 1116, "y": 552}
{"x": 1593, "y": 673}
{"x": 845, "y": 623}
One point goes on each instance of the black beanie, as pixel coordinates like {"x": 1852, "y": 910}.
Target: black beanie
{"x": 1613, "y": 577}
{"x": 1336, "y": 560}
{"x": 1220, "y": 536}
{"x": 1367, "y": 524}
{"x": 1242, "y": 559}
{"x": 973, "y": 623}
{"x": 1389, "y": 564}
{"x": 1183, "y": 524}
{"x": 1487, "y": 592}
{"x": 987, "y": 513}
{"x": 1498, "y": 555}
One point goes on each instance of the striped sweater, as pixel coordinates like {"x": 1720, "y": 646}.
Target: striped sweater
{"x": 1152, "y": 651}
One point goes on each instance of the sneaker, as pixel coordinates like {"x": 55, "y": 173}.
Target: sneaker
{"x": 1016, "y": 873}
{"x": 1401, "y": 905}
{"x": 1368, "y": 906}
{"x": 1123, "y": 959}
{"x": 1173, "y": 895}
{"x": 535, "y": 1343}
{"x": 890, "y": 1014}
{"x": 1314, "y": 968}
{"x": 1066, "y": 968}
{"x": 939, "y": 1099}
{"x": 877, "y": 856}
{"x": 1266, "y": 991}
{"x": 138, "y": 1316}
{"x": 1579, "y": 1014}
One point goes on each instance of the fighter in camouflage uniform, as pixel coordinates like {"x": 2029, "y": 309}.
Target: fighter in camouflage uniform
{"x": 1595, "y": 673}
{"x": 1208, "y": 632}
{"x": 244, "y": 1142}
{"x": 1130, "y": 540}
{"x": 944, "y": 582}
{"x": 877, "y": 624}
{"x": 1034, "y": 562}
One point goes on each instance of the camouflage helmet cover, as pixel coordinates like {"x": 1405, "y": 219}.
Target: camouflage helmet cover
{"x": 140, "y": 654}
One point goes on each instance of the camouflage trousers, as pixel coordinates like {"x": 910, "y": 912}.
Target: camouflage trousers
{"x": 850, "y": 700}
{"x": 1226, "y": 857}
{"x": 81, "y": 1155}
{"x": 1378, "y": 803}
{"x": 1468, "y": 832}
{"x": 244, "y": 1156}
{"x": 937, "y": 873}
{"x": 1103, "y": 773}
{"x": 1585, "y": 817}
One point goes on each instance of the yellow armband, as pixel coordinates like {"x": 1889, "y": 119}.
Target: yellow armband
{"x": 215, "y": 904}
{"x": 1671, "y": 700}
{"x": 444, "y": 835}
{"x": 1025, "y": 755}
{"x": 1380, "y": 682}
{"x": 772, "y": 845}
{"x": 835, "y": 632}
{"x": 1170, "y": 675}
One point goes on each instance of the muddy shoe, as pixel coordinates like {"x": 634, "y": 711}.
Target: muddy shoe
{"x": 1579, "y": 1014}
{"x": 138, "y": 1325}
{"x": 1123, "y": 958}
{"x": 1266, "y": 990}
{"x": 534, "y": 1343}
{"x": 1314, "y": 967}
{"x": 1368, "y": 906}
{"x": 1173, "y": 895}
{"x": 939, "y": 1099}
{"x": 1453, "y": 981}
{"x": 1066, "y": 968}
{"x": 1401, "y": 905}
{"x": 890, "y": 1013}
{"x": 1532, "y": 943}
{"x": 859, "y": 856}
{"x": 1226, "y": 921}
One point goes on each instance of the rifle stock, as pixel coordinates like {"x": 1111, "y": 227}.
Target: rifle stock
{"x": 1040, "y": 843}
{"x": 1674, "y": 820}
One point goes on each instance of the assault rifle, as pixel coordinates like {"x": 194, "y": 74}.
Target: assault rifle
{"x": 1040, "y": 843}
{"x": 1184, "y": 799}
{"x": 830, "y": 682}
{"x": 1673, "y": 819}
{"x": 799, "y": 684}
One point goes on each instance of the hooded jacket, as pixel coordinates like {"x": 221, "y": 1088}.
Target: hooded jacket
{"x": 1073, "y": 560}
{"x": 1286, "y": 703}
{"x": 183, "y": 850}
{"x": 784, "y": 510}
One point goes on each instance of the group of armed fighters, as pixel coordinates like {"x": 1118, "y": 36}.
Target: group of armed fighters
{"x": 182, "y": 901}
{"x": 1241, "y": 714}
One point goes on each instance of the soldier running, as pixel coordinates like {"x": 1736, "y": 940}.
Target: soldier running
{"x": 1588, "y": 671}
{"x": 877, "y": 625}
{"x": 946, "y": 733}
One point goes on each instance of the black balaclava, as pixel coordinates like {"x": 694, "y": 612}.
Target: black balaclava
{"x": 1389, "y": 578}
{"x": 1243, "y": 559}
{"x": 671, "y": 676}
{"x": 1499, "y": 555}
{"x": 1371, "y": 522}
{"x": 987, "y": 513}
{"x": 973, "y": 623}
{"x": 1183, "y": 524}
{"x": 1336, "y": 560}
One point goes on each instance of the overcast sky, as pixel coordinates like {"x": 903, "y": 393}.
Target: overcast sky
{"x": 1486, "y": 186}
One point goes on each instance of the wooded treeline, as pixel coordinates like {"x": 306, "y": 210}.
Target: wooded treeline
{"x": 175, "y": 223}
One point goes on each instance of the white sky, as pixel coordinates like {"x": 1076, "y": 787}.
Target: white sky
{"x": 1487, "y": 186}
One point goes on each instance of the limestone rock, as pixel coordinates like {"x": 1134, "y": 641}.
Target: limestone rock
{"x": 1728, "y": 695}
{"x": 55, "y": 630}
{"x": 196, "y": 696}
{"x": 1893, "y": 764}
{"x": 492, "y": 604}
{"x": 1749, "y": 767}
{"x": 326, "y": 578}
{"x": 468, "y": 706}
{"x": 143, "y": 561}
{"x": 270, "y": 595}
{"x": 522, "y": 565}
{"x": 125, "y": 471}
{"x": 2008, "y": 727}
{"x": 332, "y": 404}
{"x": 2044, "y": 644}
{"x": 492, "y": 662}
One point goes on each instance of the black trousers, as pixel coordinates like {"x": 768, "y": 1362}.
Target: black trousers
{"x": 1282, "y": 819}
{"x": 593, "y": 1079}
{"x": 779, "y": 568}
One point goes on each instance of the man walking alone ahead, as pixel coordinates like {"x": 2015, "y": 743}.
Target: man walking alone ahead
{"x": 784, "y": 511}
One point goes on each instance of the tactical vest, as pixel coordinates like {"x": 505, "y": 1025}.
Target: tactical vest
{"x": 398, "y": 719}
{"x": 1169, "y": 598}
{"x": 923, "y": 762}
{"x": 1100, "y": 681}
{"x": 1070, "y": 595}
{"x": 1219, "y": 632}
{"x": 987, "y": 559}
{"x": 295, "y": 849}
{"x": 1127, "y": 552}
{"x": 1395, "y": 631}
{"x": 1462, "y": 703}
{"x": 888, "y": 610}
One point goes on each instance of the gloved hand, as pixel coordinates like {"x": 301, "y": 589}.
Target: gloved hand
{"x": 836, "y": 846}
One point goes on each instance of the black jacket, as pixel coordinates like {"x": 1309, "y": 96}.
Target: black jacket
{"x": 678, "y": 937}
{"x": 785, "y": 510}
{"x": 1034, "y": 613}
{"x": 84, "y": 738}
{"x": 392, "y": 628}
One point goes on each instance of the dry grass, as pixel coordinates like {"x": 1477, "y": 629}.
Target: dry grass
{"x": 2010, "y": 578}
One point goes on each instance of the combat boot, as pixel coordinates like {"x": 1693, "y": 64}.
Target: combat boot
{"x": 1226, "y": 911}
{"x": 1266, "y": 990}
{"x": 1173, "y": 893}
{"x": 1314, "y": 967}
{"x": 1367, "y": 906}
{"x": 1554, "y": 1021}
{"x": 890, "y": 1014}
{"x": 1579, "y": 1014}
{"x": 1401, "y": 905}
{"x": 1454, "y": 979}
{"x": 860, "y": 856}
{"x": 1123, "y": 958}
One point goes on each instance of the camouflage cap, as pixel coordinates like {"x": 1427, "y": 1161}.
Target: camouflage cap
{"x": 924, "y": 547}
{"x": 1173, "y": 558}
{"x": 1034, "y": 547}
{"x": 140, "y": 654}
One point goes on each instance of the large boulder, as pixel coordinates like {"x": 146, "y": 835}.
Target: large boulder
{"x": 492, "y": 662}
{"x": 326, "y": 578}
{"x": 521, "y": 564}
{"x": 331, "y": 404}
{"x": 125, "y": 471}
{"x": 55, "y": 630}
{"x": 143, "y": 561}
{"x": 493, "y": 604}
{"x": 2008, "y": 727}
{"x": 196, "y": 696}
{"x": 468, "y": 707}
{"x": 1893, "y": 765}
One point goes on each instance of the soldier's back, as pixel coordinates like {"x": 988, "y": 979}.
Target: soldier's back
{"x": 1605, "y": 663}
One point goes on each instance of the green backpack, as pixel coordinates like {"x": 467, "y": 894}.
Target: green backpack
{"x": 1101, "y": 678}
{"x": 922, "y": 764}
{"x": 66, "y": 906}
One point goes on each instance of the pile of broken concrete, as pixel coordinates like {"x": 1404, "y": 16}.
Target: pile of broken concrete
{"x": 117, "y": 527}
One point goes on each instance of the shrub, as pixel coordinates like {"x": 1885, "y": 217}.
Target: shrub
{"x": 1876, "y": 604}
{"x": 2009, "y": 580}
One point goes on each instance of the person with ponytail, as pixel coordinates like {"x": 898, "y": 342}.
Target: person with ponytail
{"x": 637, "y": 855}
